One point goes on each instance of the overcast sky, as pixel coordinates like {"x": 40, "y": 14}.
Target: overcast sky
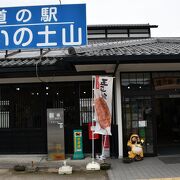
{"x": 164, "y": 13}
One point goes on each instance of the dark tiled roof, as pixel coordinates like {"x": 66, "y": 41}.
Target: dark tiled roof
{"x": 151, "y": 46}
{"x": 133, "y": 48}
{"x": 27, "y": 62}
{"x": 31, "y": 58}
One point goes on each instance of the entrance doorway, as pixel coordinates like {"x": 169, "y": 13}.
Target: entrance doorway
{"x": 167, "y": 112}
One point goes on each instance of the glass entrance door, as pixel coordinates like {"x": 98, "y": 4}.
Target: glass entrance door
{"x": 167, "y": 116}
{"x": 137, "y": 108}
{"x": 151, "y": 106}
{"x": 137, "y": 118}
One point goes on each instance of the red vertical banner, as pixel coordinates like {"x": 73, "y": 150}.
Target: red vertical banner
{"x": 91, "y": 127}
{"x": 97, "y": 82}
{"x": 106, "y": 145}
{"x": 103, "y": 104}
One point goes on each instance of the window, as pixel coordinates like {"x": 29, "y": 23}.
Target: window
{"x": 4, "y": 113}
{"x": 115, "y": 33}
{"x": 135, "y": 81}
{"x": 93, "y": 34}
{"x": 27, "y": 106}
{"x": 85, "y": 110}
{"x": 139, "y": 33}
{"x": 85, "y": 102}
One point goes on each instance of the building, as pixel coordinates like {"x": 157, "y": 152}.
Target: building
{"x": 146, "y": 91}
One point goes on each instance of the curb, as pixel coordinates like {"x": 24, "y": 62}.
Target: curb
{"x": 172, "y": 178}
{"x": 4, "y": 171}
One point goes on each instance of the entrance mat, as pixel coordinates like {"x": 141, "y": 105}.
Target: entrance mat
{"x": 170, "y": 160}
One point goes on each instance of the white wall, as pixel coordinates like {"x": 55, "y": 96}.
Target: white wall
{"x": 119, "y": 113}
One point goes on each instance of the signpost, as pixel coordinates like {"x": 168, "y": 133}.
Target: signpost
{"x": 48, "y": 26}
{"x": 55, "y": 133}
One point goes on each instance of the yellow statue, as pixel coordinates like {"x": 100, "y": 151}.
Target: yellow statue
{"x": 135, "y": 148}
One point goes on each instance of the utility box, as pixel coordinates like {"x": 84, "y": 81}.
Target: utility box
{"x": 55, "y": 134}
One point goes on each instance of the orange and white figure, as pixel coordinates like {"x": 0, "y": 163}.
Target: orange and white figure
{"x": 135, "y": 147}
{"x": 103, "y": 104}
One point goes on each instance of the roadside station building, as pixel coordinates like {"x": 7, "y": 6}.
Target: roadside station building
{"x": 146, "y": 91}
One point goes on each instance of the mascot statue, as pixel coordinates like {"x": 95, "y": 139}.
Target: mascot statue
{"x": 135, "y": 149}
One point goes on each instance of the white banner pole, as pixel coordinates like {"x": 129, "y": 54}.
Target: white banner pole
{"x": 93, "y": 118}
{"x": 93, "y": 165}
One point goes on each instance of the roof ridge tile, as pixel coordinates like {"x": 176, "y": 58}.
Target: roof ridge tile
{"x": 109, "y": 45}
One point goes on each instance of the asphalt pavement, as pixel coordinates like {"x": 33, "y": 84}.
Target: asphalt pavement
{"x": 46, "y": 169}
{"x": 151, "y": 168}
{"x": 77, "y": 175}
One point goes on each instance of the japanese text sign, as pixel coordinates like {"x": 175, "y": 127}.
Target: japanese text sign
{"x": 78, "y": 145}
{"x": 50, "y": 26}
{"x": 77, "y": 140}
{"x": 103, "y": 86}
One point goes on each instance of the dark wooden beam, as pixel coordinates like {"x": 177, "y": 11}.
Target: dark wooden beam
{"x": 12, "y": 53}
